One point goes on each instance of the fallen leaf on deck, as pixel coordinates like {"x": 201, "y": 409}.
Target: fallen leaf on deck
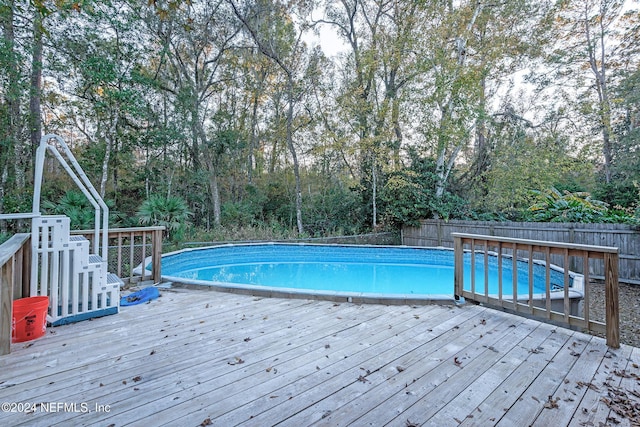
{"x": 551, "y": 402}
{"x": 362, "y": 379}
{"x": 457, "y": 361}
{"x": 206, "y": 422}
{"x": 622, "y": 373}
{"x": 591, "y": 386}
{"x": 137, "y": 378}
{"x": 237, "y": 361}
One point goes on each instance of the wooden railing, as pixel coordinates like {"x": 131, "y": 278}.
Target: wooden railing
{"x": 15, "y": 273}
{"x": 129, "y": 247}
{"x": 559, "y": 305}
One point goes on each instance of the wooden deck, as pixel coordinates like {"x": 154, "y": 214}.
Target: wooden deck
{"x": 196, "y": 358}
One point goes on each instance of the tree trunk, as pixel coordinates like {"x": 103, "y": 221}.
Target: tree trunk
{"x": 12, "y": 97}
{"x": 35, "y": 127}
{"x": 109, "y": 143}
{"x": 294, "y": 156}
{"x": 199, "y": 133}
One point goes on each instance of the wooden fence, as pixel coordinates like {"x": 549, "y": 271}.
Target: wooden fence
{"x": 625, "y": 237}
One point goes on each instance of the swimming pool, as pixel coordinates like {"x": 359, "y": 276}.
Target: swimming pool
{"x": 373, "y": 273}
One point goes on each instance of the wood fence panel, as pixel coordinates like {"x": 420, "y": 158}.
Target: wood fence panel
{"x": 625, "y": 237}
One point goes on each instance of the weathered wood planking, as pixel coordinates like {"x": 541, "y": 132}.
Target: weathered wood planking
{"x": 194, "y": 357}
{"x": 13, "y": 273}
{"x": 625, "y": 237}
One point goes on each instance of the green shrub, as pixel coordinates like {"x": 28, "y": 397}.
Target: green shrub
{"x": 170, "y": 212}
{"x": 555, "y": 206}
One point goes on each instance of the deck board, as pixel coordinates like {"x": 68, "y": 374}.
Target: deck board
{"x": 196, "y": 357}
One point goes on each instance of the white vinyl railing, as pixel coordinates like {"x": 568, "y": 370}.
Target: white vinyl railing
{"x": 72, "y": 167}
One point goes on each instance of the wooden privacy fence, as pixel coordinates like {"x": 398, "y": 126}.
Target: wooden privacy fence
{"x": 566, "y": 303}
{"x": 129, "y": 247}
{"x": 625, "y": 237}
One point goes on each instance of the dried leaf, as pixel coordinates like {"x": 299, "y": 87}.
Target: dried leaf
{"x": 236, "y": 361}
{"x": 206, "y": 422}
{"x": 457, "y": 361}
{"x": 551, "y": 402}
{"x": 137, "y": 378}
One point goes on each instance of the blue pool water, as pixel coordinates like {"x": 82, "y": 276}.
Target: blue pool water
{"x": 350, "y": 269}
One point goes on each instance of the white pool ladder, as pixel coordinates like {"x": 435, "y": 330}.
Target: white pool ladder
{"x": 64, "y": 267}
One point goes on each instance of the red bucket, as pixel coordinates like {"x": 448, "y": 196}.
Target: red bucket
{"x": 29, "y": 318}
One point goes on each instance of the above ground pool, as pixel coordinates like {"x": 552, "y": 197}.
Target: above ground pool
{"x": 375, "y": 272}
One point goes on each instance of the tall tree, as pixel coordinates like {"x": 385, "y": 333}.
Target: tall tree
{"x": 588, "y": 33}
{"x": 195, "y": 40}
{"x": 277, "y": 30}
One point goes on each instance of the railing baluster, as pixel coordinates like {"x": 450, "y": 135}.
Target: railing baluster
{"x": 500, "y": 271}
{"x": 473, "y": 266}
{"x": 557, "y": 306}
{"x": 566, "y": 283}
{"x": 119, "y": 255}
{"x": 514, "y": 276}
{"x": 586, "y": 288}
{"x": 144, "y": 256}
{"x": 530, "y": 262}
{"x": 486, "y": 269}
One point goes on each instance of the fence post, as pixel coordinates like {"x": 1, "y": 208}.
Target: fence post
{"x": 458, "y": 272}
{"x": 6, "y": 305}
{"x": 611, "y": 299}
{"x": 156, "y": 255}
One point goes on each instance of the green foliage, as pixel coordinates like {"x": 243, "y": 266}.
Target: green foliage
{"x": 76, "y": 206}
{"x": 170, "y": 212}
{"x": 332, "y": 209}
{"x": 409, "y": 195}
{"x": 553, "y": 206}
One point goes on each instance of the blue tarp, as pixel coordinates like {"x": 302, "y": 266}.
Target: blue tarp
{"x": 138, "y": 297}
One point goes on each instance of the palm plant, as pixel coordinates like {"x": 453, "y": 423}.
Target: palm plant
{"x": 169, "y": 212}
